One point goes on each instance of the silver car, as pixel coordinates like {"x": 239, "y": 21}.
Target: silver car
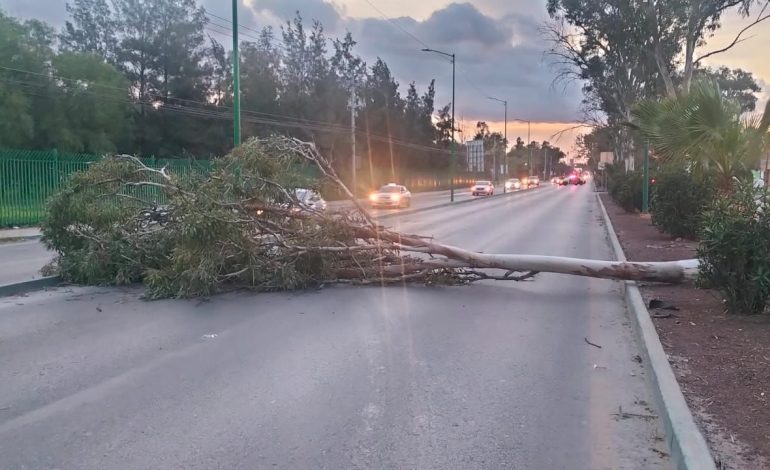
{"x": 391, "y": 195}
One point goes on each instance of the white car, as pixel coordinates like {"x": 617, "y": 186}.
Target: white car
{"x": 513, "y": 183}
{"x": 391, "y": 195}
{"x": 483, "y": 188}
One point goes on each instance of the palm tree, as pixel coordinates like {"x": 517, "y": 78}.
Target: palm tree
{"x": 706, "y": 130}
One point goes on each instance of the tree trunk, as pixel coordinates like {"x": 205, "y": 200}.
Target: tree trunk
{"x": 664, "y": 72}
{"x": 659, "y": 271}
{"x": 689, "y": 64}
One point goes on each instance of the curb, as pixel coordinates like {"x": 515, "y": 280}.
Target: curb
{"x": 23, "y": 238}
{"x": 688, "y": 447}
{"x": 16, "y": 288}
{"x": 447, "y": 204}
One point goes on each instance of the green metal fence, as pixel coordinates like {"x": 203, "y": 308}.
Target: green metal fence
{"x": 28, "y": 178}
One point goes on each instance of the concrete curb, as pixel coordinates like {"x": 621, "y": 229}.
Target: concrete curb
{"x": 19, "y": 239}
{"x": 688, "y": 447}
{"x": 447, "y": 204}
{"x": 16, "y": 288}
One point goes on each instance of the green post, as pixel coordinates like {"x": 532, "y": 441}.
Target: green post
{"x": 236, "y": 80}
{"x": 646, "y": 183}
{"x": 452, "y": 158}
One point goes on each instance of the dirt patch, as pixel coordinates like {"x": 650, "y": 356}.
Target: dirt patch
{"x": 722, "y": 362}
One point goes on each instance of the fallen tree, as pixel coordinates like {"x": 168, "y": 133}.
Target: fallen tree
{"x": 243, "y": 226}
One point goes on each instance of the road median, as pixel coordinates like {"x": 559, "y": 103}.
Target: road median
{"x": 688, "y": 447}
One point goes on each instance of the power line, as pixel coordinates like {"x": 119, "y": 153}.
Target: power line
{"x": 206, "y": 113}
{"x": 240, "y": 30}
{"x": 231, "y": 22}
{"x": 420, "y": 41}
{"x": 167, "y": 98}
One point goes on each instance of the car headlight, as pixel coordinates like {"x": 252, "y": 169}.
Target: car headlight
{"x": 395, "y": 197}
{"x": 372, "y": 197}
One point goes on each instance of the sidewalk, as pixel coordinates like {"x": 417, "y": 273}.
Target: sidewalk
{"x": 19, "y": 233}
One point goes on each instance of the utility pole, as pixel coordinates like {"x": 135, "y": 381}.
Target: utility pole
{"x": 545, "y": 162}
{"x": 236, "y": 80}
{"x": 505, "y": 141}
{"x": 452, "y": 157}
{"x": 646, "y": 184}
{"x": 353, "y": 138}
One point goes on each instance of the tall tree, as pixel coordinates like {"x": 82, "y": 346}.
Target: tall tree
{"x": 735, "y": 84}
{"x": 93, "y": 111}
{"x": 162, "y": 51}
{"x": 383, "y": 112}
{"x": 662, "y": 30}
{"x": 92, "y": 28}
{"x": 24, "y": 84}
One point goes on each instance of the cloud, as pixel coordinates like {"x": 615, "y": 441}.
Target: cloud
{"x": 460, "y": 23}
{"x": 499, "y": 57}
{"x": 278, "y": 11}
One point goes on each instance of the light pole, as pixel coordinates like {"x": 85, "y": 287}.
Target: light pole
{"x": 505, "y": 138}
{"x": 452, "y": 157}
{"x": 236, "y": 80}
{"x": 646, "y": 184}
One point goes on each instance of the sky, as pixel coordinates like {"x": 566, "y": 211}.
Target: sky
{"x": 500, "y": 51}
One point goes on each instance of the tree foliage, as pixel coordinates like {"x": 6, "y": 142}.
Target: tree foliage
{"x": 239, "y": 226}
{"x": 167, "y": 87}
{"x": 705, "y": 129}
{"x": 678, "y": 199}
{"x": 733, "y": 249}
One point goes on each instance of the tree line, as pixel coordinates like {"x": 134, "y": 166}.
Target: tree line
{"x": 147, "y": 77}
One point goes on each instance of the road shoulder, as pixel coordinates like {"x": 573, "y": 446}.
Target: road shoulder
{"x": 722, "y": 378}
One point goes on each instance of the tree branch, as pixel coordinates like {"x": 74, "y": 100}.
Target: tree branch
{"x": 737, "y": 40}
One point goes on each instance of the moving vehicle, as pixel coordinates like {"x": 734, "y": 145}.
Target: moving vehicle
{"x": 533, "y": 181}
{"x": 483, "y": 188}
{"x": 391, "y": 195}
{"x": 575, "y": 179}
{"x": 310, "y": 200}
{"x": 513, "y": 183}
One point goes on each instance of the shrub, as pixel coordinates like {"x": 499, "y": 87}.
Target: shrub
{"x": 626, "y": 188}
{"x": 733, "y": 251}
{"x": 678, "y": 200}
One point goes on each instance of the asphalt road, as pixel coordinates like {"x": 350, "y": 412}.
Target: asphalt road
{"x": 419, "y": 201}
{"x": 21, "y": 261}
{"x": 488, "y": 376}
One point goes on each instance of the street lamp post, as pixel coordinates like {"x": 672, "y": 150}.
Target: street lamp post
{"x": 505, "y": 139}
{"x": 452, "y": 157}
{"x": 236, "y": 80}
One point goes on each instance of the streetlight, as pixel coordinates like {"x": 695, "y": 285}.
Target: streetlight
{"x": 452, "y": 157}
{"x": 236, "y": 80}
{"x": 505, "y": 139}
